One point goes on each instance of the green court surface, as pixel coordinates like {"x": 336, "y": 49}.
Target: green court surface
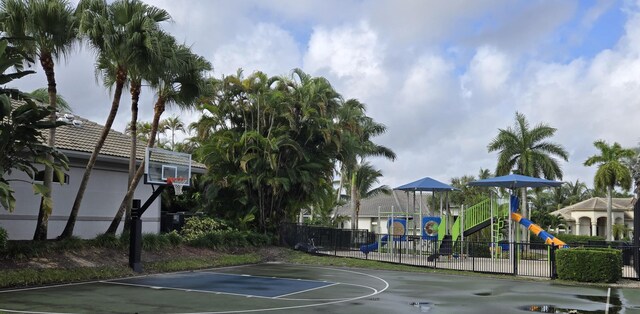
{"x": 284, "y": 288}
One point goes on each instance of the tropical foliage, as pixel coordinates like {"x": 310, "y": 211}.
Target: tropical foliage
{"x": 611, "y": 172}
{"x": 527, "y": 151}
{"x": 366, "y": 176}
{"x": 271, "y": 144}
{"x": 52, "y": 27}
{"x": 21, "y": 126}
{"x": 470, "y": 195}
{"x": 122, "y": 34}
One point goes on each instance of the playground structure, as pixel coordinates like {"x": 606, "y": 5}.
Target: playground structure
{"x": 436, "y": 241}
{"x": 398, "y": 224}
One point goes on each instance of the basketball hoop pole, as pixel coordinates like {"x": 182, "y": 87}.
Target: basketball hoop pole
{"x": 135, "y": 233}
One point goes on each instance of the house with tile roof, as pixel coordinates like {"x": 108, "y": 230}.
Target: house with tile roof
{"x": 375, "y": 211}
{"x": 589, "y": 217}
{"x": 107, "y": 186}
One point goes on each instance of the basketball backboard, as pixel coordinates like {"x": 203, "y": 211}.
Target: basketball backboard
{"x": 162, "y": 164}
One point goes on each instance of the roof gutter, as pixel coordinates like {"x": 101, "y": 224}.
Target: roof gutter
{"x": 115, "y": 159}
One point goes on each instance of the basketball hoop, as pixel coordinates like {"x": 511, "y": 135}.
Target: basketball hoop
{"x": 177, "y": 184}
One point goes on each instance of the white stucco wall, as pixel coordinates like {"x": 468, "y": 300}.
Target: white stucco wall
{"x": 106, "y": 188}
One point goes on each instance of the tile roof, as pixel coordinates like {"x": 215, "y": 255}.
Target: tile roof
{"x": 596, "y": 204}
{"x": 369, "y": 206}
{"x": 83, "y": 138}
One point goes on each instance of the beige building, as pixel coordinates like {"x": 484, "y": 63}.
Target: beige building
{"x": 589, "y": 217}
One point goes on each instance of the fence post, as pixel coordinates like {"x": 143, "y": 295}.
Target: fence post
{"x": 515, "y": 255}
{"x": 400, "y": 251}
{"x": 552, "y": 259}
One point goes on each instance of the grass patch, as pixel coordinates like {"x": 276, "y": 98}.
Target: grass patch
{"x": 200, "y": 263}
{"x": 309, "y": 259}
{"x": 47, "y": 276}
{"x": 29, "y": 249}
{"x": 38, "y": 277}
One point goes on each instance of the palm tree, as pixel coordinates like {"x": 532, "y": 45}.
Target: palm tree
{"x": 611, "y": 173}
{"x": 143, "y": 129}
{"x": 52, "y": 26}
{"x": 179, "y": 81}
{"x": 121, "y": 32}
{"x": 575, "y": 192}
{"x": 173, "y": 124}
{"x": 355, "y": 130}
{"x": 365, "y": 178}
{"x": 525, "y": 151}
{"x": 42, "y": 95}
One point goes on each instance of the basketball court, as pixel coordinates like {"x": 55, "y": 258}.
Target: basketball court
{"x": 285, "y": 288}
{"x": 255, "y": 288}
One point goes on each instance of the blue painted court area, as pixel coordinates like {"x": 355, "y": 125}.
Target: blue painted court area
{"x": 236, "y": 284}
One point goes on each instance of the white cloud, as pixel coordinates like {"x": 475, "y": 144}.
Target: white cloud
{"x": 351, "y": 54}
{"x": 443, "y": 76}
{"x": 267, "y": 48}
{"x": 488, "y": 73}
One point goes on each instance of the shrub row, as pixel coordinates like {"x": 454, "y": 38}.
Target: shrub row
{"x": 589, "y": 264}
{"x": 28, "y": 249}
{"x": 578, "y": 239}
{"x": 197, "y": 227}
{"x": 3, "y": 239}
{"x": 230, "y": 238}
{"x": 45, "y": 276}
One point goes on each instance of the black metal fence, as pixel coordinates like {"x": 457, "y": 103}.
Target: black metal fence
{"x": 521, "y": 259}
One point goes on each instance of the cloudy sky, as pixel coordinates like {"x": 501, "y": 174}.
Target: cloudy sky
{"x": 443, "y": 76}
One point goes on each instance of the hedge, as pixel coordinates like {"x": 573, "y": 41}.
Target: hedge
{"x": 578, "y": 239}
{"x": 3, "y": 239}
{"x": 589, "y": 264}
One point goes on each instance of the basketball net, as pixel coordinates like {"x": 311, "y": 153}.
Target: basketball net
{"x": 177, "y": 183}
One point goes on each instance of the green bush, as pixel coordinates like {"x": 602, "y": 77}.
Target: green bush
{"x": 577, "y": 239}
{"x": 155, "y": 242}
{"x": 124, "y": 239}
{"x": 3, "y": 239}
{"x": 229, "y": 239}
{"x": 174, "y": 238}
{"x": 258, "y": 239}
{"x": 72, "y": 243}
{"x": 108, "y": 241}
{"x": 589, "y": 264}
{"x": 196, "y": 227}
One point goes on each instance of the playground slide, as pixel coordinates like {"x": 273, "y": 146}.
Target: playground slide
{"x": 548, "y": 238}
{"x": 373, "y": 246}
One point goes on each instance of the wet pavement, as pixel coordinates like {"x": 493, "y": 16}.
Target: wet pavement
{"x": 342, "y": 291}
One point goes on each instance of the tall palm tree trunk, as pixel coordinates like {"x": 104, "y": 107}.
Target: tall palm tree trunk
{"x": 128, "y": 198}
{"x": 46, "y": 208}
{"x": 609, "y": 228}
{"x": 121, "y": 77}
{"x": 135, "y": 97}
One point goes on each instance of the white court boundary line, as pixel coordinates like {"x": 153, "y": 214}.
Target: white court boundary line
{"x": 375, "y": 292}
{"x": 307, "y": 290}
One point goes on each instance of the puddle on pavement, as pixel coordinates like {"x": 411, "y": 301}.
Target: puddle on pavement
{"x": 615, "y": 306}
{"x": 424, "y": 307}
{"x": 554, "y": 309}
{"x": 483, "y": 294}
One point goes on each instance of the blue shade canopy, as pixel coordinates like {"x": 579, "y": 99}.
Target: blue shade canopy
{"x": 426, "y": 184}
{"x": 514, "y": 181}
